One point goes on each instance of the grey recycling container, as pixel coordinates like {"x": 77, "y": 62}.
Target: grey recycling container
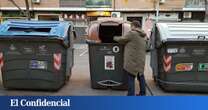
{"x": 106, "y": 55}
{"x": 36, "y": 54}
{"x": 179, "y": 56}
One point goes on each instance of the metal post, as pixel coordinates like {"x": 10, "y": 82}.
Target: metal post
{"x": 27, "y": 10}
{"x": 157, "y": 10}
{"x": 114, "y": 5}
{"x": 206, "y": 11}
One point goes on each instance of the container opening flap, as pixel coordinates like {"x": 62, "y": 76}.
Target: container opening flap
{"x": 20, "y": 29}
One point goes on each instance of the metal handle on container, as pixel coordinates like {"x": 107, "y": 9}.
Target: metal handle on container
{"x": 109, "y": 83}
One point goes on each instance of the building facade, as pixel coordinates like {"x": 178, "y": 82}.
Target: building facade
{"x": 81, "y": 12}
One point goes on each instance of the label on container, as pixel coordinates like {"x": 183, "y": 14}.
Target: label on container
{"x": 109, "y": 62}
{"x": 182, "y": 67}
{"x": 199, "y": 51}
{"x": 28, "y": 50}
{"x": 203, "y": 67}
{"x": 172, "y": 50}
{"x": 35, "y": 64}
{"x": 12, "y": 50}
{"x": 43, "y": 49}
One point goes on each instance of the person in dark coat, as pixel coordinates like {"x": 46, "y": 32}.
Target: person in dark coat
{"x": 134, "y": 56}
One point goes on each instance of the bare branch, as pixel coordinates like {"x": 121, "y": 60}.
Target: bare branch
{"x": 15, "y": 4}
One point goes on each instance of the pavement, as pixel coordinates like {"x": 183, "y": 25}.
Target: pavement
{"x": 79, "y": 84}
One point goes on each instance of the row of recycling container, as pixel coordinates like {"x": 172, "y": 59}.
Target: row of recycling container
{"x": 39, "y": 55}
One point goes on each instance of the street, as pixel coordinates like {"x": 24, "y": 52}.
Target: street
{"x": 79, "y": 84}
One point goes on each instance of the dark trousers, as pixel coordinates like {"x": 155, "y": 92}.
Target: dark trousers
{"x": 131, "y": 84}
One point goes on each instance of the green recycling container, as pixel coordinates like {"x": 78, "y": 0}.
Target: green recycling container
{"x": 36, "y": 54}
{"x": 106, "y": 55}
{"x": 179, "y": 56}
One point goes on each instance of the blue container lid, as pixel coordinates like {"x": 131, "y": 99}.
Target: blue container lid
{"x": 34, "y": 28}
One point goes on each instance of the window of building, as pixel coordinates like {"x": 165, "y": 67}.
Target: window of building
{"x": 98, "y": 3}
{"x": 194, "y": 3}
{"x": 48, "y": 17}
{"x": 72, "y": 3}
